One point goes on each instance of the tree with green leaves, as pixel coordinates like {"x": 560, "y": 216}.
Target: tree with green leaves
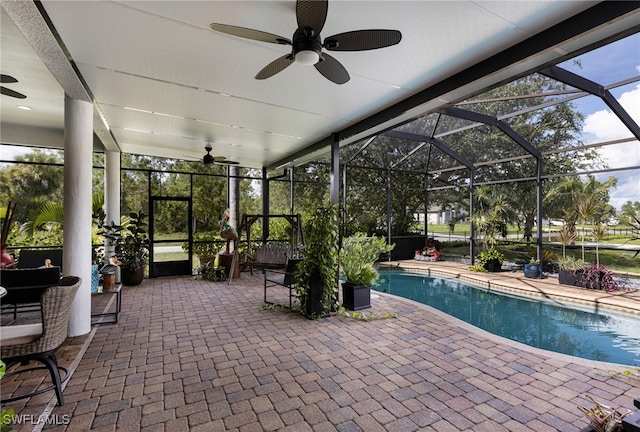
{"x": 36, "y": 178}
{"x": 584, "y": 201}
{"x": 630, "y": 211}
{"x": 547, "y": 129}
{"x": 493, "y": 212}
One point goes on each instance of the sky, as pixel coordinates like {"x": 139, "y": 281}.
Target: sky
{"x": 613, "y": 63}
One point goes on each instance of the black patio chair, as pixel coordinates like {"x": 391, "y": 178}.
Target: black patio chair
{"x": 274, "y": 278}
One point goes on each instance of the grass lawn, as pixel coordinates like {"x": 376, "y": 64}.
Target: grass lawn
{"x": 616, "y": 260}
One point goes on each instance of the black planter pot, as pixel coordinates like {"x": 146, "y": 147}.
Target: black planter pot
{"x": 132, "y": 277}
{"x": 569, "y": 277}
{"x": 493, "y": 265}
{"x": 533, "y": 270}
{"x": 313, "y": 306}
{"x": 356, "y": 297}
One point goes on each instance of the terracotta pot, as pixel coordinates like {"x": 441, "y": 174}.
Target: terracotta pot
{"x": 204, "y": 259}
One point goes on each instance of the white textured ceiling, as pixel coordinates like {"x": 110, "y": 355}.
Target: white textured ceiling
{"x": 166, "y": 84}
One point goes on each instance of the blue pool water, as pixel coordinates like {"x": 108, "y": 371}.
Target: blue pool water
{"x": 604, "y": 336}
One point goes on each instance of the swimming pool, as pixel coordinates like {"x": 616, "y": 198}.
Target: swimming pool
{"x": 603, "y": 335}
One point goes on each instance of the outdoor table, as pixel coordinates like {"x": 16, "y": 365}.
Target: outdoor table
{"x": 98, "y": 318}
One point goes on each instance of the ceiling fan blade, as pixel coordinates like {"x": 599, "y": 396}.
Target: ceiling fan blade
{"x": 312, "y": 14}
{"x": 362, "y": 40}
{"x": 7, "y": 79}
{"x": 227, "y": 162}
{"x": 278, "y": 65}
{"x": 8, "y": 92}
{"x": 250, "y": 34}
{"x": 332, "y": 69}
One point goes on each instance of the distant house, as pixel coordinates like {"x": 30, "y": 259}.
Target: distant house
{"x": 436, "y": 215}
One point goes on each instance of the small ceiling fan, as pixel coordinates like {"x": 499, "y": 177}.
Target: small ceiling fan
{"x": 8, "y": 79}
{"x": 208, "y": 159}
{"x": 307, "y": 45}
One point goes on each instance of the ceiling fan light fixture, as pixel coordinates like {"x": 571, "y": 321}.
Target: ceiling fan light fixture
{"x": 307, "y": 57}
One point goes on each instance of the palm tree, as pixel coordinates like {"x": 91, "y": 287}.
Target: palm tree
{"x": 566, "y": 235}
{"x": 598, "y": 233}
{"x": 492, "y": 215}
{"x": 51, "y": 213}
{"x": 587, "y": 201}
{"x": 586, "y": 209}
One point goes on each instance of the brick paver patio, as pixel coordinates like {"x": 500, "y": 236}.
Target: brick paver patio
{"x": 189, "y": 354}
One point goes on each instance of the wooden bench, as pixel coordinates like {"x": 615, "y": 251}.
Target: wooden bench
{"x": 269, "y": 256}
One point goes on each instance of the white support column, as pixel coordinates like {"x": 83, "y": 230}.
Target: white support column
{"x": 78, "y": 148}
{"x": 111, "y": 191}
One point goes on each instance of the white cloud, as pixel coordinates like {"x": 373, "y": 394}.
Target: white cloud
{"x": 8, "y": 152}
{"x": 603, "y": 125}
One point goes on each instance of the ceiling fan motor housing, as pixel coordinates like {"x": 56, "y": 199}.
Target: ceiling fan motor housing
{"x": 305, "y": 40}
{"x": 208, "y": 159}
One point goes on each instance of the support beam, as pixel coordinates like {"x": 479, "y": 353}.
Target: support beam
{"x": 389, "y": 207}
{"x": 234, "y": 198}
{"x": 472, "y": 231}
{"x": 335, "y": 170}
{"x": 111, "y": 193}
{"x": 584, "y": 84}
{"x": 422, "y": 138}
{"x": 493, "y": 121}
{"x": 265, "y": 205}
{"x": 539, "y": 208}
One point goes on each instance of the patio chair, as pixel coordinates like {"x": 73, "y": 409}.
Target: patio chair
{"x": 39, "y": 342}
{"x": 25, "y": 287}
{"x": 282, "y": 279}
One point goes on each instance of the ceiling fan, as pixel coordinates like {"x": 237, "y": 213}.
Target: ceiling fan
{"x": 8, "y": 79}
{"x": 307, "y": 45}
{"x": 208, "y": 159}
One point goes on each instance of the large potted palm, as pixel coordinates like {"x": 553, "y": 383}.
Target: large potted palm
{"x": 317, "y": 274}
{"x": 132, "y": 249}
{"x": 357, "y": 258}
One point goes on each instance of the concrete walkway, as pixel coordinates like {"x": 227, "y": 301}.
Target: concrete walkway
{"x": 189, "y": 354}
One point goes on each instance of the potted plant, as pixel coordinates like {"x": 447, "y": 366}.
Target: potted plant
{"x": 597, "y": 277}
{"x": 430, "y": 251}
{"x": 533, "y": 269}
{"x": 570, "y": 270}
{"x": 132, "y": 249}
{"x": 204, "y": 246}
{"x": 317, "y": 274}
{"x": 357, "y": 260}
{"x": 212, "y": 273}
{"x": 491, "y": 260}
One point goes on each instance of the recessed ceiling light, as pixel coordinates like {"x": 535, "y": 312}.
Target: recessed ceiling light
{"x": 24, "y": 107}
